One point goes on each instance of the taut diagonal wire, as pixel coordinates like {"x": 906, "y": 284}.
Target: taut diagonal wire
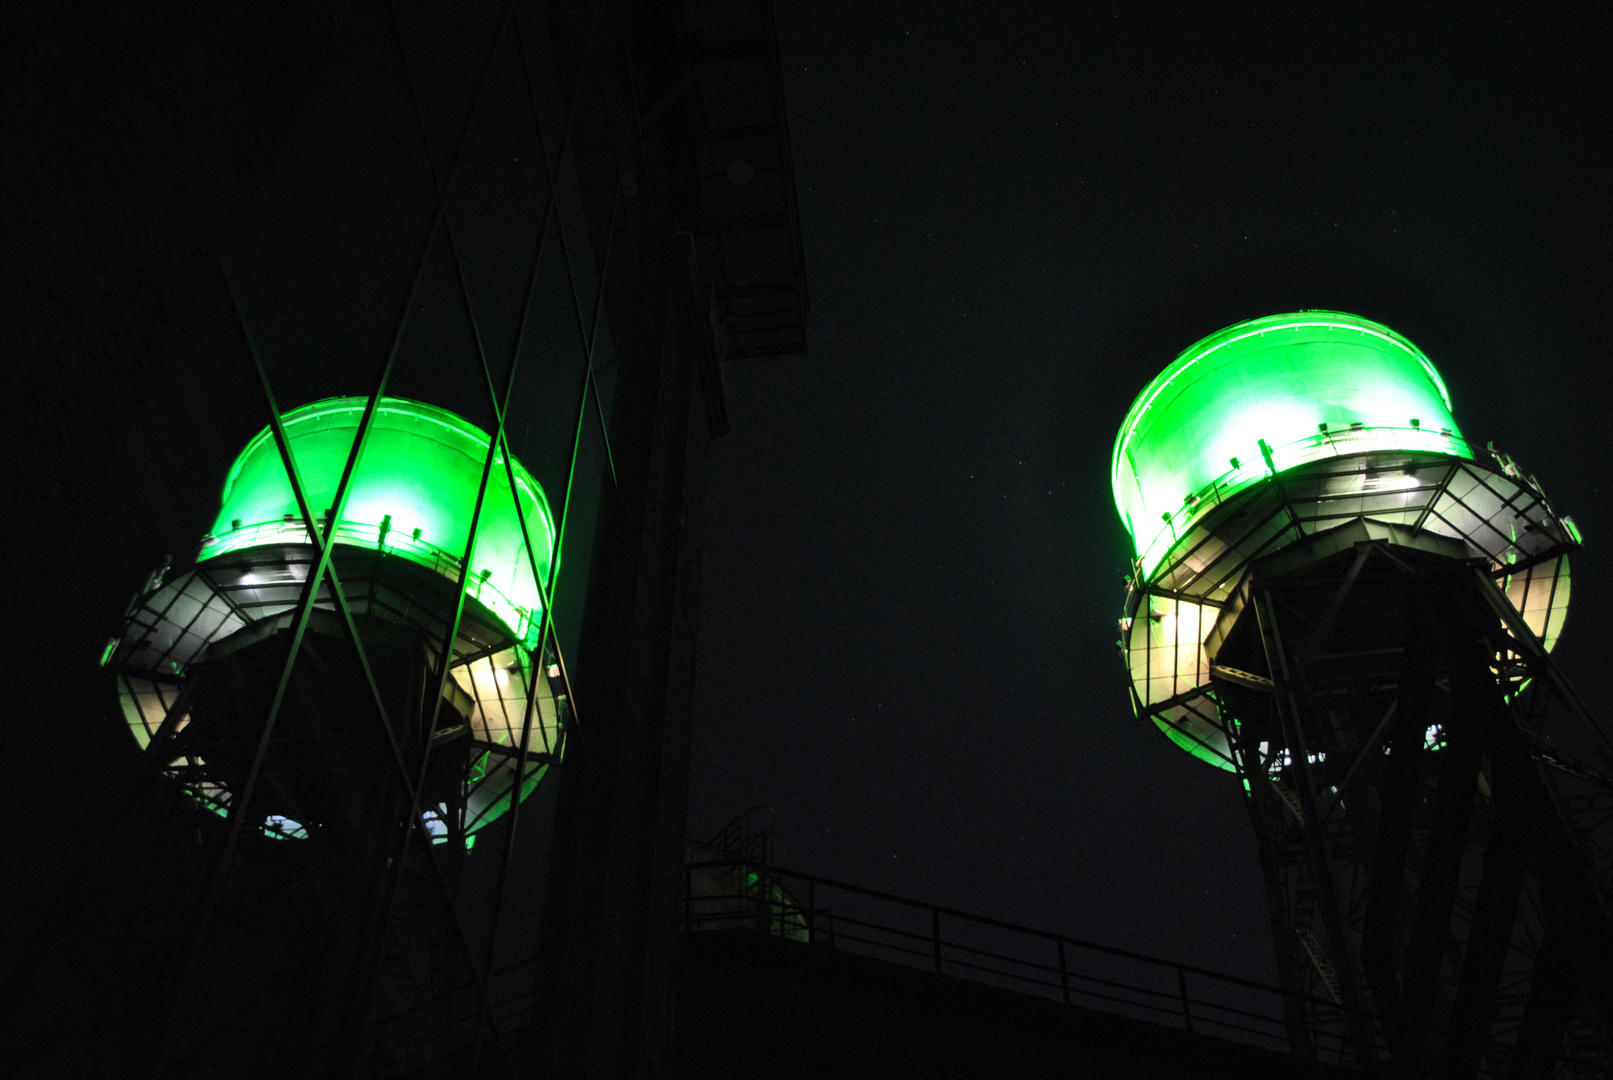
{"x": 499, "y": 444}
{"x": 584, "y": 334}
{"x": 241, "y": 799}
{"x": 400, "y": 767}
{"x": 587, "y": 341}
{"x": 588, "y": 338}
{"x": 375, "y": 948}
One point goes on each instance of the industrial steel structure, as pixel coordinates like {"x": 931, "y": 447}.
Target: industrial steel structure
{"x": 243, "y": 672}
{"x": 412, "y": 639}
{"x": 420, "y": 565}
{"x": 1350, "y": 607}
{"x": 201, "y": 647}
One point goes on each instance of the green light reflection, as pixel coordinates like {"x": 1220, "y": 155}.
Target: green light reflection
{"x": 412, "y": 493}
{"x": 1271, "y": 380}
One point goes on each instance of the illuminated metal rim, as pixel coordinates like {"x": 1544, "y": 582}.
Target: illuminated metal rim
{"x": 412, "y": 493}
{"x": 411, "y": 502}
{"x": 1265, "y": 396}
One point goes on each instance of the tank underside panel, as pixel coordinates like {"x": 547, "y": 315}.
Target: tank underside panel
{"x": 1457, "y": 508}
{"x": 193, "y": 643}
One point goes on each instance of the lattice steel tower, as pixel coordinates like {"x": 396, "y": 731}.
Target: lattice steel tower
{"x": 356, "y": 654}
{"x": 1345, "y": 604}
{"x": 555, "y": 224}
{"x": 213, "y": 635}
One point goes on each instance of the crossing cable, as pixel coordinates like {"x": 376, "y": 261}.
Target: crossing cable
{"x": 498, "y": 444}
{"x": 242, "y": 799}
{"x": 338, "y": 592}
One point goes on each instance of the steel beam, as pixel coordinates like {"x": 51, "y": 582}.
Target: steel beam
{"x": 1291, "y": 717}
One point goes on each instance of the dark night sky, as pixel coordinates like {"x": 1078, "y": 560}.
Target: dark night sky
{"x": 1014, "y": 216}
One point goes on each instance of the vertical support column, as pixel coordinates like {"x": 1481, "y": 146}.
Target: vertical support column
{"x": 1398, "y": 795}
{"x": 607, "y": 953}
{"x": 1293, "y": 729}
{"x": 1266, "y": 820}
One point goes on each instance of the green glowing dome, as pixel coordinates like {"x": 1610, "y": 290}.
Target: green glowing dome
{"x": 412, "y": 493}
{"x": 1252, "y": 399}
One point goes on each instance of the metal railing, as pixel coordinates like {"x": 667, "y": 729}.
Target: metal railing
{"x": 453, "y": 1014}
{"x": 840, "y": 918}
{"x": 1325, "y": 444}
{"x": 849, "y": 919}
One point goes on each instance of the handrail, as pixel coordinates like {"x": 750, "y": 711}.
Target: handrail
{"x": 776, "y": 910}
{"x": 1342, "y": 443}
{"x": 1000, "y": 924}
{"x": 827, "y": 928}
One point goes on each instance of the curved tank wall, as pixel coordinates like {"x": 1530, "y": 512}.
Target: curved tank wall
{"x": 1251, "y": 399}
{"x": 413, "y": 493}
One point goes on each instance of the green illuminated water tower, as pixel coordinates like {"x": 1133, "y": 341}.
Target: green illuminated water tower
{"x": 205, "y": 644}
{"x": 1342, "y": 601}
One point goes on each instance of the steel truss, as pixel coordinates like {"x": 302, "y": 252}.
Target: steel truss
{"x": 1434, "y": 846}
{"x": 344, "y": 952}
{"x": 298, "y": 951}
{"x": 1364, "y": 641}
